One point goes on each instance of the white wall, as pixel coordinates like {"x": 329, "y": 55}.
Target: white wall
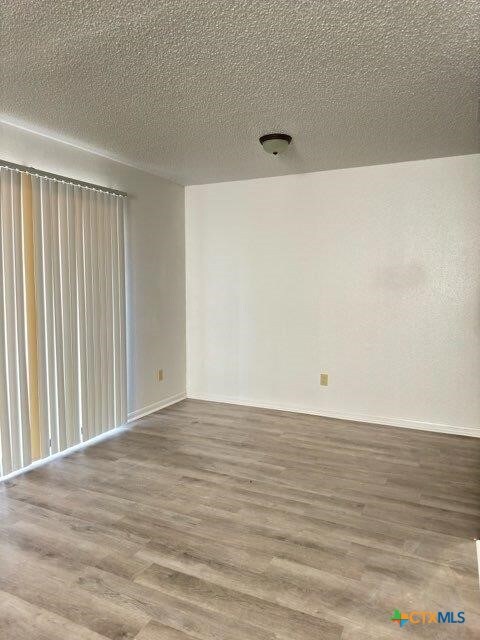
{"x": 369, "y": 274}
{"x": 155, "y": 259}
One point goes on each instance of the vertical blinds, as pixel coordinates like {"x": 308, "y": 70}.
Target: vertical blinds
{"x": 62, "y": 316}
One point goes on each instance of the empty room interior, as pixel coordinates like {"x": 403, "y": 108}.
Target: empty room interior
{"x": 239, "y": 320}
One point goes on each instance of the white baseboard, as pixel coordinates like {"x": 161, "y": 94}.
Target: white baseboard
{"x": 392, "y": 422}
{"x": 156, "y": 406}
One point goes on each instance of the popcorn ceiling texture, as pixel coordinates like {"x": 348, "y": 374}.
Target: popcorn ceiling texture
{"x": 186, "y": 87}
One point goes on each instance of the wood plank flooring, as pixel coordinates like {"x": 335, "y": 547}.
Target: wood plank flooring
{"x": 218, "y": 522}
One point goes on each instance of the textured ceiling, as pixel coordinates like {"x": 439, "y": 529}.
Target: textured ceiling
{"x": 185, "y": 87}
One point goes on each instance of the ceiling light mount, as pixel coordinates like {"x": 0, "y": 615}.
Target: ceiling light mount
{"x": 275, "y": 143}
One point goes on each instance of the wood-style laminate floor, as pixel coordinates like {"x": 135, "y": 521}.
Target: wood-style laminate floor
{"x": 218, "y": 522}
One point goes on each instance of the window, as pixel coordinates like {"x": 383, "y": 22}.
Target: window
{"x": 62, "y": 316}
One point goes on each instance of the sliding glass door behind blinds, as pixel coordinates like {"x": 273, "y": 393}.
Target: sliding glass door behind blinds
{"x": 62, "y": 316}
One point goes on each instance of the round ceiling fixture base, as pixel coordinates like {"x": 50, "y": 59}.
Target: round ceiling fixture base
{"x": 275, "y": 143}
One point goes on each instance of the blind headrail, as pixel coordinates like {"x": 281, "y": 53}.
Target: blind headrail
{"x": 55, "y": 176}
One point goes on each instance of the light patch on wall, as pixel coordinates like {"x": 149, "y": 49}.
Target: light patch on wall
{"x": 402, "y": 276}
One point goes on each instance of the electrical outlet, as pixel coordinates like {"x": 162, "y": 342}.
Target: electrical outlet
{"x": 324, "y": 379}
{"x": 160, "y": 375}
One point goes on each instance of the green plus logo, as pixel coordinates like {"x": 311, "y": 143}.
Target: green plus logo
{"x": 401, "y": 618}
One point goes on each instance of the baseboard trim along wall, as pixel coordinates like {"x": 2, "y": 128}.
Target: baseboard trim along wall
{"x": 155, "y": 406}
{"x": 382, "y": 420}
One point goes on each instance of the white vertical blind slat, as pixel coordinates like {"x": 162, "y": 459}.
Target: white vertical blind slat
{"x": 41, "y": 262}
{"x": 122, "y": 340}
{"x": 110, "y": 336}
{"x": 89, "y": 389}
{"x": 81, "y": 337}
{"x": 20, "y": 321}
{"x": 118, "y": 313}
{"x": 62, "y": 317}
{"x": 15, "y": 444}
{"x": 58, "y": 204}
{"x": 115, "y": 316}
{"x": 96, "y": 312}
{"x": 5, "y": 440}
{"x": 71, "y": 327}
{"x": 5, "y": 450}
{"x": 9, "y": 210}
{"x": 102, "y": 211}
{"x": 49, "y": 319}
